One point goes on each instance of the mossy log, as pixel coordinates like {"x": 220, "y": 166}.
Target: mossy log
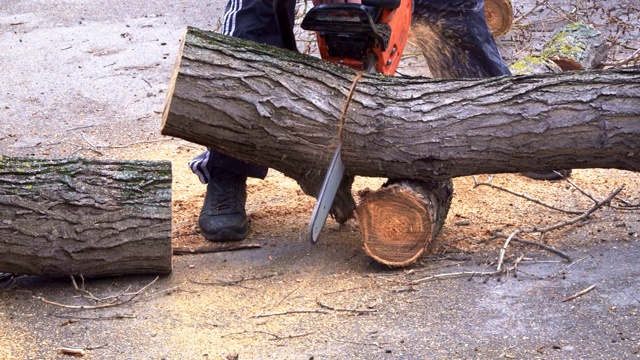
{"x": 577, "y": 46}
{"x": 532, "y": 65}
{"x": 499, "y": 15}
{"x": 398, "y": 221}
{"x": 85, "y": 217}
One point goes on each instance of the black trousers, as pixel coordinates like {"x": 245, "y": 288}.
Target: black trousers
{"x": 461, "y": 24}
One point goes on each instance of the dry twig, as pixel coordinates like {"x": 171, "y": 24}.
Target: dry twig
{"x": 579, "y": 293}
{"x": 358, "y": 311}
{"x": 117, "y": 302}
{"x": 289, "y": 312}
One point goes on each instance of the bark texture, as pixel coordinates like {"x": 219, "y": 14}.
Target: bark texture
{"x": 281, "y": 109}
{"x": 85, "y": 217}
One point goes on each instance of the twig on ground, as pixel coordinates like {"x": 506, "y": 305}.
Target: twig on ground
{"x": 118, "y": 302}
{"x": 579, "y": 293}
{"x": 112, "y": 317}
{"x": 503, "y": 250}
{"x": 184, "y": 250}
{"x": 275, "y": 336}
{"x": 540, "y": 245}
{"x": 358, "y": 311}
{"x": 289, "y": 312}
{"x": 566, "y": 268}
{"x": 476, "y": 183}
{"x": 93, "y": 147}
{"x": 635, "y": 56}
{"x": 73, "y": 351}
{"x": 237, "y": 282}
{"x": 584, "y": 215}
{"x": 556, "y": 226}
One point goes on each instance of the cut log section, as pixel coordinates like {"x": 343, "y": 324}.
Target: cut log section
{"x": 578, "y": 46}
{"x": 398, "y": 221}
{"x": 85, "y": 217}
{"x": 499, "y": 15}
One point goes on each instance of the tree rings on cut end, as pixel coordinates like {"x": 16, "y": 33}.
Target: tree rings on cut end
{"x": 395, "y": 225}
{"x": 499, "y": 15}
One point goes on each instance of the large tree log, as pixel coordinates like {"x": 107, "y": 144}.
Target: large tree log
{"x": 85, "y": 217}
{"x": 281, "y": 109}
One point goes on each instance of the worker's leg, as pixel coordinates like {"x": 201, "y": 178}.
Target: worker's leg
{"x": 223, "y": 215}
{"x": 456, "y": 39}
{"x": 457, "y": 43}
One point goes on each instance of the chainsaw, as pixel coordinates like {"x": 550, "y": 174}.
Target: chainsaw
{"x": 369, "y": 37}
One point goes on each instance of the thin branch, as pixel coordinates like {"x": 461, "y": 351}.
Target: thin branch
{"x": 185, "y": 250}
{"x": 579, "y": 293}
{"x": 279, "y": 313}
{"x": 540, "y": 245}
{"x": 504, "y": 248}
{"x": 132, "y": 296}
{"x": 524, "y": 196}
{"x": 233, "y": 282}
{"x": 93, "y": 147}
{"x": 358, "y": 311}
{"x": 585, "y": 215}
{"x": 275, "y": 336}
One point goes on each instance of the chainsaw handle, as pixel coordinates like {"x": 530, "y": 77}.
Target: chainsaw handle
{"x": 383, "y": 4}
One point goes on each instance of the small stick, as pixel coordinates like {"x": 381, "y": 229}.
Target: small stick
{"x": 184, "y": 250}
{"x": 524, "y": 196}
{"x": 579, "y": 293}
{"x": 232, "y": 282}
{"x": 101, "y": 306}
{"x": 278, "y": 313}
{"x": 359, "y": 311}
{"x": 504, "y": 248}
{"x": 72, "y": 351}
{"x": 540, "y": 245}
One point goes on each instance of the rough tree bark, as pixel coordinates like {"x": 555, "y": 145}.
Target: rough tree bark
{"x": 85, "y": 217}
{"x": 282, "y": 109}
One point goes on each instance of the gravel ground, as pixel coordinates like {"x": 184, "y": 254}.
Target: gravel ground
{"x": 89, "y": 78}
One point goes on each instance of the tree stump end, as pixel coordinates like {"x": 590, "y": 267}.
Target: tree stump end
{"x": 499, "y": 15}
{"x": 395, "y": 224}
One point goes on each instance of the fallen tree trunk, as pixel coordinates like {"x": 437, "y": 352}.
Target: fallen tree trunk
{"x": 281, "y": 109}
{"x": 85, "y": 217}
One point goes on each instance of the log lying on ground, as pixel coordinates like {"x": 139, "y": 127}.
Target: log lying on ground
{"x": 399, "y": 221}
{"x": 281, "y": 109}
{"x": 577, "y": 46}
{"x": 85, "y": 217}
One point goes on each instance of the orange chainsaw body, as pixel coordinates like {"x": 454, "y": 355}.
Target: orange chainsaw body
{"x": 365, "y": 37}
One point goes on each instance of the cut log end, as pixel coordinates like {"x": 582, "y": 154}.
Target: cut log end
{"x": 499, "y": 15}
{"x": 396, "y": 227}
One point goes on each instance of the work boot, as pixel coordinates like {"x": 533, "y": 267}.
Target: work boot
{"x": 223, "y": 216}
{"x": 548, "y": 175}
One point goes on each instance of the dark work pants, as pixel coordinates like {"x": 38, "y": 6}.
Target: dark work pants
{"x": 463, "y": 26}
